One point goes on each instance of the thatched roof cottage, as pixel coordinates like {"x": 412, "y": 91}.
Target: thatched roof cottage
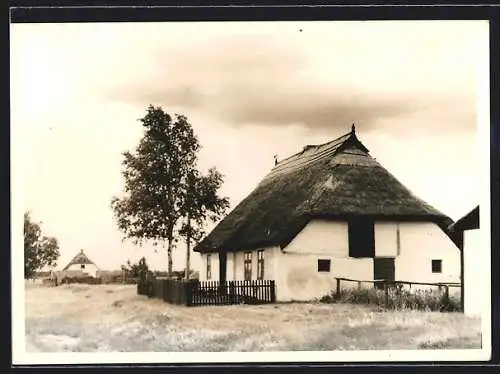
{"x": 329, "y": 211}
{"x": 83, "y": 264}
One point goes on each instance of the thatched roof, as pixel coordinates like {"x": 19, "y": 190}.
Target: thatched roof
{"x": 335, "y": 180}
{"x": 80, "y": 259}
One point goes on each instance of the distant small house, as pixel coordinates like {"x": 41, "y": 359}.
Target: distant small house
{"x": 81, "y": 263}
{"x": 330, "y": 211}
{"x": 467, "y": 228}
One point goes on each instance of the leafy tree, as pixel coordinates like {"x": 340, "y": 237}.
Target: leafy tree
{"x": 155, "y": 176}
{"x": 139, "y": 270}
{"x": 39, "y": 250}
{"x": 201, "y": 203}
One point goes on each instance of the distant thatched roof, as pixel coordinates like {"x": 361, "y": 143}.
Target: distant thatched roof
{"x": 335, "y": 180}
{"x": 80, "y": 259}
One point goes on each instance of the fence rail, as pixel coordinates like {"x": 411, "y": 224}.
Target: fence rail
{"x": 196, "y": 293}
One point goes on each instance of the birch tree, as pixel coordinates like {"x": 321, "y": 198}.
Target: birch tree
{"x": 155, "y": 177}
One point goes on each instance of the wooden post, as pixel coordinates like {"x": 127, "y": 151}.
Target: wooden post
{"x": 231, "y": 292}
{"x": 462, "y": 278}
{"x": 386, "y": 291}
{"x": 338, "y": 288}
{"x": 188, "y": 292}
{"x": 188, "y": 249}
{"x": 273, "y": 292}
{"x": 446, "y": 296}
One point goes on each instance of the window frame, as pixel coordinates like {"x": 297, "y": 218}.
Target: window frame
{"x": 327, "y": 261}
{"x": 260, "y": 264}
{"x": 209, "y": 267}
{"x": 247, "y": 265}
{"x": 439, "y": 262}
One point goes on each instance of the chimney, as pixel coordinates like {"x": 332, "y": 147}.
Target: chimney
{"x": 275, "y": 160}
{"x": 353, "y": 129}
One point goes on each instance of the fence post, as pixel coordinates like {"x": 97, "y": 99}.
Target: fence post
{"x": 273, "y": 292}
{"x": 188, "y": 292}
{"x": 386, "y": 291}
{"x": 446, "y": 295}
{"x": 338, "y": 288}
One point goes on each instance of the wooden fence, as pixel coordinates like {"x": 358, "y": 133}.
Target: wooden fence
{"x": 233, "y": 292}
{"x": 391, "y": 288}
{"x": 195, "y": 293}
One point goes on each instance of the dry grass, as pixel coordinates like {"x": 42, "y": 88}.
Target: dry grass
{"x": 93, "y": 318}
{"x": 397, "y": 299}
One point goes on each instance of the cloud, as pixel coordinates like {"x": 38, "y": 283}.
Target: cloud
{"x": 276, "y": 80}
{"x": 381, "y": 75}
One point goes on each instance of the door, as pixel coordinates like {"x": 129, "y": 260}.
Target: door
{"x": 222, "y": 266}
{"x": 383, "y": 268}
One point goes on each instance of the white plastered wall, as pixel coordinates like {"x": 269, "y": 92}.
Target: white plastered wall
{"x": 297, "y": 275}
{"x": 474, "y": 272}
{"x": 89, "y": 269}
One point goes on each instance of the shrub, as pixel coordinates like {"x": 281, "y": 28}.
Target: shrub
{"x": 398, "y": 299}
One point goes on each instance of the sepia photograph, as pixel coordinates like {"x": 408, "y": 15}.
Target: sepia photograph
{"x": 283, "y": 191}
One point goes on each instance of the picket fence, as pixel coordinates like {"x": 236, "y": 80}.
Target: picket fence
{"x": 196, "y": 293}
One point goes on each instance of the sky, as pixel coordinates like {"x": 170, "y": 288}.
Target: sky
{"x": 251, "y": 90}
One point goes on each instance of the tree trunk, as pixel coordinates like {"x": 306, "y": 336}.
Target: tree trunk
{"x": 188, "y": 248}
{"x": 169, "y": 254}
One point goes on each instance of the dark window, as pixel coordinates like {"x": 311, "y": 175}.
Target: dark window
{"x": 209, "y": 266}
{"x": 361, "y": 237}
{"x": 247, "y": 264}
{"x": 82, "y": 266}
{"x": 323, "y": 265}
{"x": 260, "y": 264}
{"x": 437, "y": 266}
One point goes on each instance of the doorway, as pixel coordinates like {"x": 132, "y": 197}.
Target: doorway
{"x": 222, "y": 266}
{"x": 383, "y": 269}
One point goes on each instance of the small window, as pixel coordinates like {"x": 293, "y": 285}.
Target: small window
{"x": 323, "y": 265}
{"x": 437, "y": 266}
{"x": 82, "y": 266}
{"x": 260, "y": 264}
{"x": 209, "y": 267}
{"x": 247, "y": 265}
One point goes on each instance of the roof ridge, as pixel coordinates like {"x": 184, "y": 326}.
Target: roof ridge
{"x": 312, "y": 145}
{"x": 286, "y": 164}
{"x": 79, "y": 255}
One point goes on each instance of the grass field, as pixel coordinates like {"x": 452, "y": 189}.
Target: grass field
{"x": 92, "y": 318}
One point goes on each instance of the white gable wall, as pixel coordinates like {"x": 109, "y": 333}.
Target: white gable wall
{"x": 420, "y": 244}
{"x": 90, "y": 269}
{"x": 299, "y": 278}
{"x": 386, "y": 239}
{"x": 295, "y": 268}
{"x": 473, "y": 277}
{"x": 321, "y": 237}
